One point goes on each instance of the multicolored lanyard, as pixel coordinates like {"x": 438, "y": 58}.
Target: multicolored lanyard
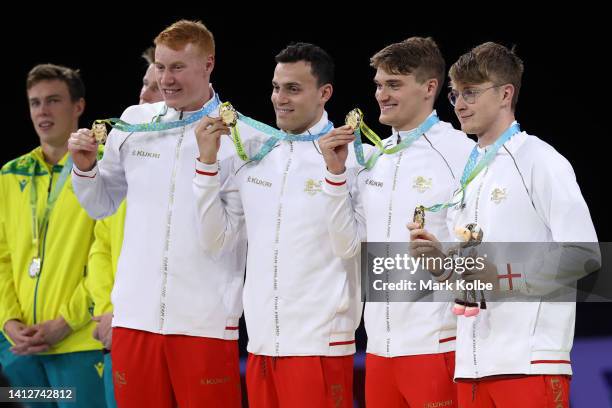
{"x": 38, "y": 226}
{"x": 156, "y": 126}
{"x": 407, "y": 140}
{"x": 275, "y": 136}
{"x": 474, "y": 166}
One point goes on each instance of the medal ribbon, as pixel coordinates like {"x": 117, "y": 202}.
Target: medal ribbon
{"x": 156, "y": 126}
{"x": 38, "y": 226}
{"x": 474, "y": 166}
{"x": 275, "y": 136}
{"x": 407, "y": 139}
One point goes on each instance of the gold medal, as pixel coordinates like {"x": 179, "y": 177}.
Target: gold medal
{"x": 228, "y": 114}
{"x": 34, "y": 268}
{"x": 354, "y": 118}
{"x": 471, "y": 234}
{"x": 419, "y": 216}
{"x": 476, "y": 233}
{"x": 99, "y": 132}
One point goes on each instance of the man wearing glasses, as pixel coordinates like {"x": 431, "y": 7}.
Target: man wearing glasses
{"x": 513, "y": 354}
{"x": 410, "y": 353}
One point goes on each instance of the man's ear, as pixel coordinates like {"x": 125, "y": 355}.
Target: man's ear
{"x": 326, "y": 92}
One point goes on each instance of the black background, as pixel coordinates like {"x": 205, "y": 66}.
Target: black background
{"x": 563, "y": 98}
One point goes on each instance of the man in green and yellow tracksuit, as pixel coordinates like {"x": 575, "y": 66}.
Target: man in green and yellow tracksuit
{"x": 45, "y": 237}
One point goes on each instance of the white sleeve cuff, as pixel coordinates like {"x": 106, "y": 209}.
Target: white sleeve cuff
{"x": 206, "y": 174}
{"x": 85, "y": 174}
{"x": 335, "y": 184}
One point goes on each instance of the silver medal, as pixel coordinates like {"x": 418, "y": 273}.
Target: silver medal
{"x": 34, "y": 268}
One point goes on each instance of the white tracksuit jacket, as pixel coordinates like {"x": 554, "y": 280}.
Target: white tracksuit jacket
{"x": 299, "y": 299}
{"x": 528, "y": 193}
{"x": 425, "y": 173}
{"x": 165, "y": 283}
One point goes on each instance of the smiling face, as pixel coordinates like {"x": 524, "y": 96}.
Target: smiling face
{"x": 54, "y": 114}
{"x": 402, "y": 100}
{"x": 485, "y": 83}
{"x": 297, "y": 98}
{"x": 183, "y": 76}
{"x": 488, "y": 103}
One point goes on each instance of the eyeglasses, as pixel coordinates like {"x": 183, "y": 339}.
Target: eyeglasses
{"x": 469, "y": 95}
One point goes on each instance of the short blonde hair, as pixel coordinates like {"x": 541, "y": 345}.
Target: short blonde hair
{"x": 489, "y": 62}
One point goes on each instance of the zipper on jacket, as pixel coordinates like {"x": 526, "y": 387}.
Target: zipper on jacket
{"x": 43, "y": 240}
{"x": 279, "y": 215}
{"x": 389, "y": 219}
{"x": 478, "y": 195}
{"x": 475, "y": 323}
{"x": 474, "y": 348}
{"x": 162, "y": 306}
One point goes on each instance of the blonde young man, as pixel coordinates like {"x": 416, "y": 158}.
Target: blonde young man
{"x": 514, "y": 353}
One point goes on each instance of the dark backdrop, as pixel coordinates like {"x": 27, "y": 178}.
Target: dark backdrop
{"x": 563, "y": 99}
